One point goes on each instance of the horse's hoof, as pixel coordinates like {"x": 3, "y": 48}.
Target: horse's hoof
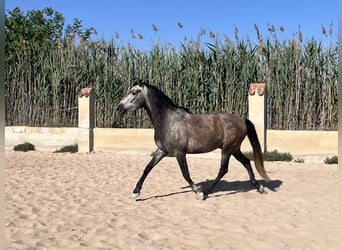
{"x": 262, "y": 190}
{"x": 135, "y": 195}
{"x": 201, "y": 196}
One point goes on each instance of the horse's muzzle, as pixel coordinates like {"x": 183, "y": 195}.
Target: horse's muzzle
{"x": 121, "y": 110}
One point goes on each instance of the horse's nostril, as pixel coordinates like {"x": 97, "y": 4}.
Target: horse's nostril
{"x": 120, "y": 110}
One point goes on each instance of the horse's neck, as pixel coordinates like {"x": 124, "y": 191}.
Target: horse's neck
{"x": 158, "y": 110}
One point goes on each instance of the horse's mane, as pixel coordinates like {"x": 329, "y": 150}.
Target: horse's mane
{"x": 158, "y": 94}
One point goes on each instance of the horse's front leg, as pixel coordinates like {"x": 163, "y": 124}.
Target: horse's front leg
{"x": 157, "y": 156}
{"x": 185, "y": 171}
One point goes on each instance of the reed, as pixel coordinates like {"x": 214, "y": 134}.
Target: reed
{"x": 41, "y": 86}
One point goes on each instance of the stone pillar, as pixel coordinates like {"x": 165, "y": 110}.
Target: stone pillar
{"x": 257, "y": 110}
{"x": 86, "y": 120}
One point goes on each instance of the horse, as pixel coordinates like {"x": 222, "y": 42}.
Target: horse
{"x": 178, "y": 132}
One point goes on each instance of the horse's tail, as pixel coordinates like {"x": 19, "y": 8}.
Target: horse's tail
{"x": 258, "y": 159}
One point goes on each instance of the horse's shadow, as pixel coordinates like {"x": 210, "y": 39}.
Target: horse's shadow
{"x": 234, "y": 187}
{"x": 225, "y": 188}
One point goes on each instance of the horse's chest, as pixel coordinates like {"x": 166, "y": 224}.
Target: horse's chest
{"x": 170, "y": 141}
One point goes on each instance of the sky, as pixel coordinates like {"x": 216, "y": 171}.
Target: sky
{"x": 221, "y": 17}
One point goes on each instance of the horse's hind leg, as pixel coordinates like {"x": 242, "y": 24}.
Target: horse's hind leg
{"x": 157, "y": 156}
{"x": 247, "y": 164}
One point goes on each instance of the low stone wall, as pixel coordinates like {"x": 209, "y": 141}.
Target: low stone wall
{"x": 43, "y": 138}
{"x": 108, "y": 139}
{"x": 303, "y": 142}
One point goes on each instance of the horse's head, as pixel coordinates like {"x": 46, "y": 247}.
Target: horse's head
{"x": 135, "y": 99}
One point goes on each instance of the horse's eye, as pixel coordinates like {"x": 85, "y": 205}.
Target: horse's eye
{"x": 135, "y": 92}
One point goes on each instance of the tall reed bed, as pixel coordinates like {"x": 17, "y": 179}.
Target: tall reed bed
{"x": 301, "y": 77}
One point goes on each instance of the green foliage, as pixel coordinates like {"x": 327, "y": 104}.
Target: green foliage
{"x": 299, "y": 160}
{"x": 249, "y": 155}
{"x": 331, "y": 160}
{"x": 68, "y": 149}
{"x": 271, "y": 156}
{"x": 41, "y": 85}
{"x": 41, "y": 58}
{"x": 24, "y": 147}
{"x": 37, "y": 27}
{"x": 277, "y": 156}
{"x": 43, "y": 29}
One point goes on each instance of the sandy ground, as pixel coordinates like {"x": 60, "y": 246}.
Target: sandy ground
{"x": 83, "y": 201}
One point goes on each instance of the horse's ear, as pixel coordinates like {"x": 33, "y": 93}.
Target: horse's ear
{"x": 139, "y": 82}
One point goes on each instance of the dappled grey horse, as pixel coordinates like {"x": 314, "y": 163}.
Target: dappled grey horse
{"x": 178, "y": 132}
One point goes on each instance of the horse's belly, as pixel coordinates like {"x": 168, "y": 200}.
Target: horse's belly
{"x": 197, "y": 145}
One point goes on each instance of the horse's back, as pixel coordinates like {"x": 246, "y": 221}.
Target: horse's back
{"x": 207, "y": 132}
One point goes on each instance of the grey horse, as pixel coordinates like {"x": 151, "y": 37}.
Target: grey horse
{"x": 178, "y": 132}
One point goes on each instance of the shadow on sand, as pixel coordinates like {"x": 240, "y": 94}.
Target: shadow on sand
{"x": 238, "y": 186}
{"x": 228, "y": 188}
